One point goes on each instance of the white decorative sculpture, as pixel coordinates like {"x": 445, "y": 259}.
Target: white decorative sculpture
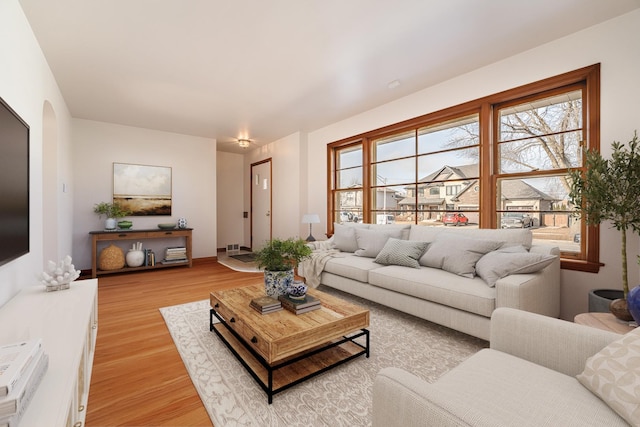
{"x": 59, "y": 276}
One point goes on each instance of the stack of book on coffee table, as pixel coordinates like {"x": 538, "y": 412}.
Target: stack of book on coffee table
{"x": 22, "y": 366}
{"x": 299, "y": 306}
{"x": 266, "y": 304}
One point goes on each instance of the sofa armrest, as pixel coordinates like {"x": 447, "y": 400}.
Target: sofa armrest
{"x": 536, "y": 292}
{"x": 402, "y": 399}
{"x": 556, "y": 344}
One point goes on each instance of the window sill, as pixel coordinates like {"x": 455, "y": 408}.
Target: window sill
{"x": 580, "y": 265}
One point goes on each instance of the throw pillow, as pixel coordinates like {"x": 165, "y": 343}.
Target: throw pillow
{"x": 344, "y": 238}
{"x": 613, "y": 374}
{"x": 510, "y": 260}
{"x": 370, "y": 242}
{"x": 401, "y": 252}
{"x": 457, "y": 254}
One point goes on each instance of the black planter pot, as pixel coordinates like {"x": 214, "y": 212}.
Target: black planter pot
{"x": 599, "y": 299}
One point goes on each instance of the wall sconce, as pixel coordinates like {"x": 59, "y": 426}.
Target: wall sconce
{"x": 311, "y": 219}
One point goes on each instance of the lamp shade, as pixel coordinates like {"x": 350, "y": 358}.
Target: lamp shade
{"x": 310, "y": 219}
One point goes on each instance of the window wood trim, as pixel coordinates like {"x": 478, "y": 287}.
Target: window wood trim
{"x": 484, "y": 107}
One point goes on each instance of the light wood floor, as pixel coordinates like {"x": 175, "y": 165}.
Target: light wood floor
{"x": 138, "y": 376}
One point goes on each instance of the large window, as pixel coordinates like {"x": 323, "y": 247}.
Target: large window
{"x": 502, "y": 160}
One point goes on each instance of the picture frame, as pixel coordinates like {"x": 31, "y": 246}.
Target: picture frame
{"x": 143, "y": 190}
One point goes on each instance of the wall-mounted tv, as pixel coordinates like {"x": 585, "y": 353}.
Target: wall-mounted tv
{"x": 14, "y": 185}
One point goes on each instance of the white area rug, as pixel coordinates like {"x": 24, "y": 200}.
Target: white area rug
{"x": 340, "y": 397}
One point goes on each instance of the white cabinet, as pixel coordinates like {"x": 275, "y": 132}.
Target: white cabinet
{"x": 67, "y": 322}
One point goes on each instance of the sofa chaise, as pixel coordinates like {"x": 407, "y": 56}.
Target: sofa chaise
{"x": 455, "y": 277}
{"x": 538, "y": 371}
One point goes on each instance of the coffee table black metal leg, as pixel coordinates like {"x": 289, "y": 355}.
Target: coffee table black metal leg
{"x": 367, "y": 351}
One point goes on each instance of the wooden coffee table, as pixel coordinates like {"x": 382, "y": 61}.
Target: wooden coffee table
{"x": 282, "y": 349}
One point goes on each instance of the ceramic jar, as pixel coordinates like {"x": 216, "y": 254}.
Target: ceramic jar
{"x": 276, "y": 283}
{"x": 135, "y": 258}
{"x": 633, "y": 303}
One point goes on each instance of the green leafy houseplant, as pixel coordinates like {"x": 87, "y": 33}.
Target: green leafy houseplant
{"x": 110, "y": 210}
{"x": 609, "y": 190}
{"x": 282, "y": 255}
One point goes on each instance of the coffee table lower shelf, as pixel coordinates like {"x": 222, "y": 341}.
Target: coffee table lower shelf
{"x": 274, "y": 378}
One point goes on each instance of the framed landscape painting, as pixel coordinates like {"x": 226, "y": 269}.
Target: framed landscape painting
{"x": 142, "y": 190}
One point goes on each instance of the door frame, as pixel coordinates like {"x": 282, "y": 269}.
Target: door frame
{"x": 261, "y": 162}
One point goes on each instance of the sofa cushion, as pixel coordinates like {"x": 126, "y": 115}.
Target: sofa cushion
{"x": 510, "y": 260}
{"x": 509, "y": 237}
{"x": 457, "y": 254}
{"x": 613, "y": 374}
{"x": 439, "y": 286}
{"x": 344, "y": 236}
{"x": 401, "y": 252}
{"x": 403, "y": 228}
{"x": 496, "y": 388}
{"x": 351, "y": 266}
{"x": 370, "y": 242}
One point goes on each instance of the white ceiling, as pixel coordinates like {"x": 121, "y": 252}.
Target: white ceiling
{"x": 264, "y": 69}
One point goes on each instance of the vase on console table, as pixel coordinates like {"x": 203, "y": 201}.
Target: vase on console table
{"x": 110, "y": 224}
{"x": 134, "y": 258}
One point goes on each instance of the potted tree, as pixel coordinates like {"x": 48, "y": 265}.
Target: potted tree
{"x": 279, "y": 258}
{"x": 609, "y": 190}
{"x": 112, "y": 211}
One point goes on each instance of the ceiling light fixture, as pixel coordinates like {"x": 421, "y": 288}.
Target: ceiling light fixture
{"x": 393, "y": 84}
{"x": 244, "y": 143}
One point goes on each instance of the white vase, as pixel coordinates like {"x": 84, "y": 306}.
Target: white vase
{"x": 135, "y": 258}
{"x": 110, "y": 224}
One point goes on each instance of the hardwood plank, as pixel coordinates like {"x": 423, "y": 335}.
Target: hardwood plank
{"x": 138, "y": 377}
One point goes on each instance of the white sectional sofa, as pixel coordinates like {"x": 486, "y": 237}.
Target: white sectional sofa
{"x": 539, "y": 371}
{"x": 455, "y": 277}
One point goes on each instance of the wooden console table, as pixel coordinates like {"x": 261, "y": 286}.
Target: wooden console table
{"x": 112, "y": 236}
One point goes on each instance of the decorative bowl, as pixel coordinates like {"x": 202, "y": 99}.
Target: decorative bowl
{"x": 167, "y": 225}
{"x": 125, "y": 225}
{"x": 297, "y": 290}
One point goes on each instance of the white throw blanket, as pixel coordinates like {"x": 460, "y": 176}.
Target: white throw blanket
{"x": 311, "y": 268}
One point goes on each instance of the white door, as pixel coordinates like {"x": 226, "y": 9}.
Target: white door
{"x": 260, "y": 204}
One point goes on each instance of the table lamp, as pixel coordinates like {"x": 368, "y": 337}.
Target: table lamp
{"x": 310, "y": 219}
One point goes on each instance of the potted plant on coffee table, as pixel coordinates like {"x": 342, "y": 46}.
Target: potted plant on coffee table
{"x": 279, "y": 258}
{"x": 609, "y": 190}
{"x": 112, "y": 211}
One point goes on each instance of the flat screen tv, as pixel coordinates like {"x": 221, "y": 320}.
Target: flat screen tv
{"x": 14, "y": 185}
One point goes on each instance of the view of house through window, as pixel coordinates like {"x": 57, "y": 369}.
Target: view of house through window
{"x": 538, "y": 141}
{"x": 507, "y": 168}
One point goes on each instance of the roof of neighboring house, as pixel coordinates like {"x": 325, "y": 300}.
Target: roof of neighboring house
{"x": 517, "y": 189}
{"x": 446, "y": 173}
{"x": 512, "y": 189}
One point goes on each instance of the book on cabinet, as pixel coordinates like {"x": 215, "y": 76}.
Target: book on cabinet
{"x": 14, "y": 361}
{"x": 13, "y": 406}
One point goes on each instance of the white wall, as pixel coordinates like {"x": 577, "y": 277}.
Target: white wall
{"x": 27, "y": 84}
{"x": 287, "y": 166}
{"x": 230, "y": 199}
{"x": 614, "y": 44}
{"x": 97, "y": 145}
